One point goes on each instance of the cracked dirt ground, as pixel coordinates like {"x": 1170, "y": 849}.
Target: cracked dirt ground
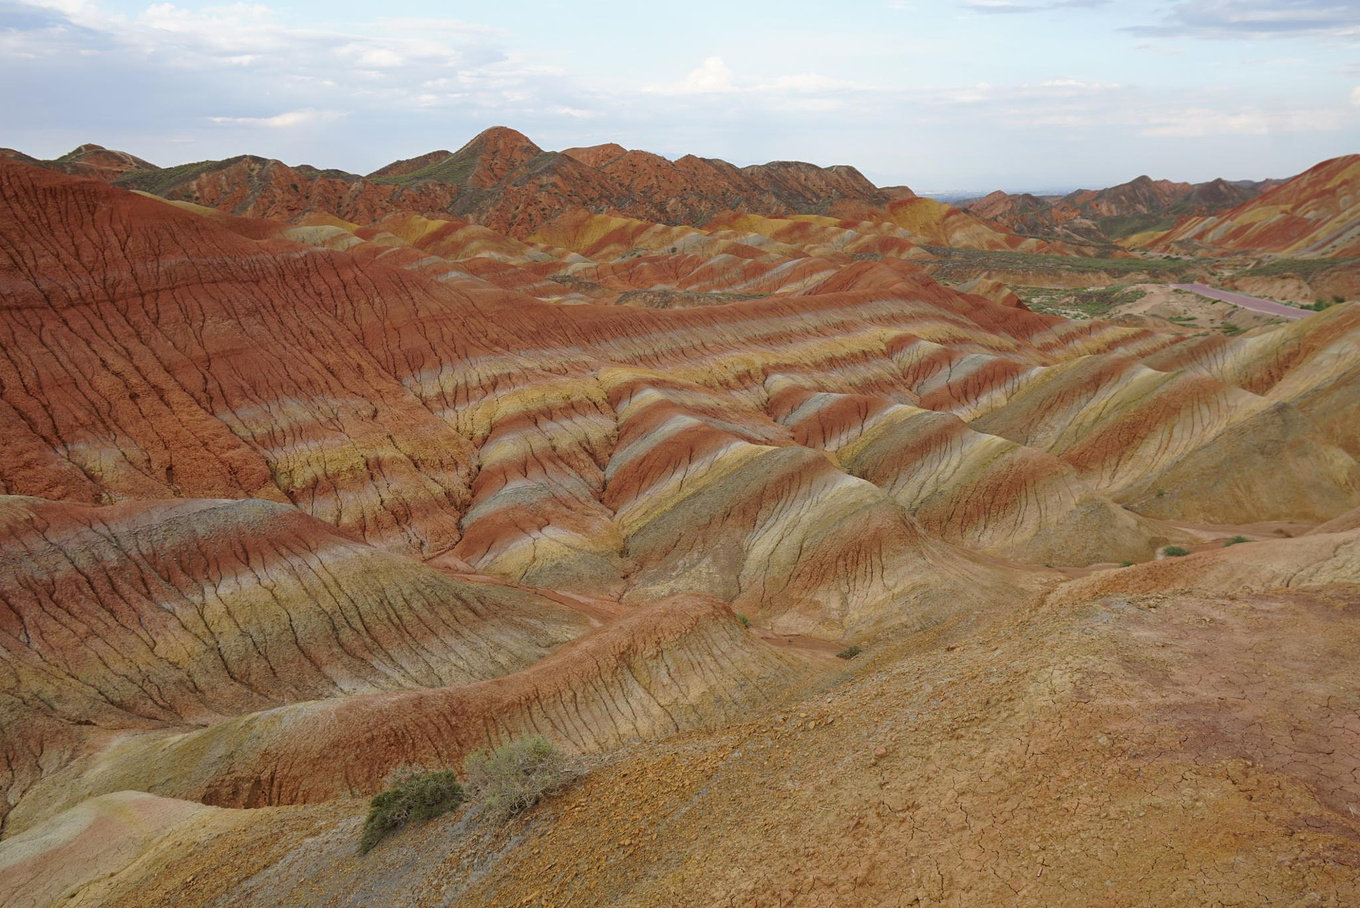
{"x": 1178, "y": 746}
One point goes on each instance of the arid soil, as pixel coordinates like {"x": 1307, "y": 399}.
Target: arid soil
{"x": 1136, "y": 738}
{"x": 843, "y": 586}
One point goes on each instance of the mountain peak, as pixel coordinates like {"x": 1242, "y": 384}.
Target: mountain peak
{"x": 596, "y": 155}
{"x": 499, "y": 139}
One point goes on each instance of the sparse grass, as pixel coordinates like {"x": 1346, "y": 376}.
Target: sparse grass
{"x": 1175, "y": 551}
{"x": 1236, "y": 540}
{"x": 1094, "y": 302}
{"x": 957, "y": 259}
{"x": 159, "y": 182}
{"x": 1121, "y": 225}
{"x": 510, "y": 779}
{"x": 412, "y": 796}
{"x": 1318, "y": 306}
{"x": 453, "y": 169}
{"x": 1304, "y": 268}
{"x": 574, "y": 282}
{"x": 849, "y": 652}
{"x": 682, "y": 299}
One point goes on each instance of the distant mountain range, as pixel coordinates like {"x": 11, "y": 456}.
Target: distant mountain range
{"x": 1101, "y": 216}
{"x": 500, "y": 179}
{"x": 504, "y": 181}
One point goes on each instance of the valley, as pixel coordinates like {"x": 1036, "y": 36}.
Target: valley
{"x": 853, "y": 547}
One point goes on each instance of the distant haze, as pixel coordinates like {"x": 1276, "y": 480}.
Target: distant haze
{"x": 978, "y": 94}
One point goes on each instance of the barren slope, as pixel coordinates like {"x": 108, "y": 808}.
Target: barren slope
{"x": 291, "y": 502}
{"x": 1151, "y": 736}
{"x": 1315, "y": 214}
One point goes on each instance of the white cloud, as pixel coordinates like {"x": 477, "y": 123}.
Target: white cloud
{"x": 1200, "y": 122}
{"x": 712, "y": 76}
{"x": 283, "y": 120}
{"x": 715, "y": 77}
{"x": 380, "y": 57}
{"x": 1254, "y": 19}
{"x": 1160, "y": 49}
{"x": 245, "y": 77}
{"x": 1010, "y": 6}
{"x": 998, "y": 6}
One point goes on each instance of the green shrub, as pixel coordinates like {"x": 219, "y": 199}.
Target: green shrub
{"x": 514, "y": 777}
{"x": 745, "y": 622}
{"x": 1175, "y": 551}
{"x": 849, "y": 652}
{"x": 1235, "y": 541}
{"x": 1319, "y": 306}
{"x": 1126, "y": 564}
{"x": 412, "y": 796}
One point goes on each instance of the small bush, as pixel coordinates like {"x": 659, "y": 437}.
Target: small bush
{"x": 413, "y": 796}
{"x": 514, "y": 777}
{"x": 1126, "y": 564}
{"x": 849, "y": 652}
{"x": 1175, "y": 551}
{"x": 745, "y": 622}
{"x": 1236, "y": 540}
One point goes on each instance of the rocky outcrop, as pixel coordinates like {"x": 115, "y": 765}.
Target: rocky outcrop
{"x": 1102, "y": 216}
{"x": 1313, "y": 215}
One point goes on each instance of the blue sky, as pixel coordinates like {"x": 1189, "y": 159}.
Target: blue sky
{"x": 951, "y": 94}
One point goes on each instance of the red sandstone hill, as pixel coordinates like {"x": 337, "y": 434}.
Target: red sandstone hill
{"x": 290, "y": 502}
{"x": 1100, "y": 216}
{"x": 89, "y": 160}
{"x": 503, "y": 180}
{"x": 1314, "y": 215}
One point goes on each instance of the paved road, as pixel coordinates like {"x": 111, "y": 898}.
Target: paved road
{"x": 1270, "y": 307}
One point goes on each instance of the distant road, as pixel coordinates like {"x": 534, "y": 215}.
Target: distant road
{"x": 1270, "y": 307}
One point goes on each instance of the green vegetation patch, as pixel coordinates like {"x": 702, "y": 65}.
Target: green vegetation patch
{"x": 413, "y": 796}
{"x": 1095, "y": 302}
{"x": 454, "y": 169}
{"x": 164, "y": 179}
{"x": 1304, "y": 268}
{"x": 960, "y": 260}
{"x": 1118, "y": 226}
{"x": 510, "y": 779}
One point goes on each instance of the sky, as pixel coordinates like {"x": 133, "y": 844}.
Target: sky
{"x": 939, "y": 95}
